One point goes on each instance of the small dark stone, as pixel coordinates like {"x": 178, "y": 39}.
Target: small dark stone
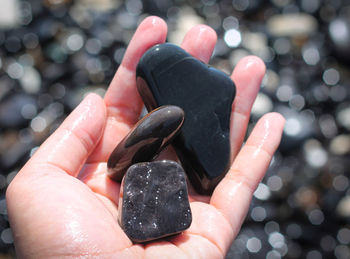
{"x": 145, "y": 140}
{"x": 154, "y": 201}
{"x": 167, "y": 75}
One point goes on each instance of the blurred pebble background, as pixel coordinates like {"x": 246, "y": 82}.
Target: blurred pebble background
{"x": 53, "y": 52}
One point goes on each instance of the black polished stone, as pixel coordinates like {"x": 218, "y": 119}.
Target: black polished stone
{"x": 154, "y": 201}
{"x": 145, "y": 140}
{"x": 167, "y": 75}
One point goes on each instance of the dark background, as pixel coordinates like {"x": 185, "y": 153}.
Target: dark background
{"x": 53, "y": 52}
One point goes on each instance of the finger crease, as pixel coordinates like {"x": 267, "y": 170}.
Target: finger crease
{"x": 225, "y": 218}
{"x": 84, "y": 137}
{"x": 261, "y": 148}
{"x": 241, "y": 113}
{"x": 55, "y": 166}
{"x": 114, "y": 113}
{"x": 210, "y": 241}
{"x": 238, "y": 177}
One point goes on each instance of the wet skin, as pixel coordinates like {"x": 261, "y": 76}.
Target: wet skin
{"x": 62, "y": 203}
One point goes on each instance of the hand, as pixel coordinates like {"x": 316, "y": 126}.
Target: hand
{"x": 62, "y": 204}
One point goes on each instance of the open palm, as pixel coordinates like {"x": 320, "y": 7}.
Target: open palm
{"x": 61, "y": 204}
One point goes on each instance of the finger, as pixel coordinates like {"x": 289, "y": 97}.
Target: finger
{"x": 247, "y": 76}
{"x": 200, "y": 42}
{"x": 210, "y": 224}
{"x": 233, "y": 194}
{"x": 122, "y": 99}
{"x": 69, "y": 146}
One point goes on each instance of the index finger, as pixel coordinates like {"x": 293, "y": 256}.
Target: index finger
{"x": 122, "y": 99}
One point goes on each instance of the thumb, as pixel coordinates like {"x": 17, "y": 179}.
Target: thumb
{"x": 69, "y": 146}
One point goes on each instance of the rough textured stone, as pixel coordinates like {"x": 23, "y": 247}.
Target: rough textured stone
{"x": 145, "y": 140}
{"x": 154, "y": 201}
{"x": 166, "y": 75}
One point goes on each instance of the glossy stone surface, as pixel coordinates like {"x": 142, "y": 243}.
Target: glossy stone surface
{"x": 145, "y": 140}
{"x": 167, "y": 75}
{"x": 154, "y": 201}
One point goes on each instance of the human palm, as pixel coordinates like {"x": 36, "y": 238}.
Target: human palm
{"x": 62, "y": 204}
